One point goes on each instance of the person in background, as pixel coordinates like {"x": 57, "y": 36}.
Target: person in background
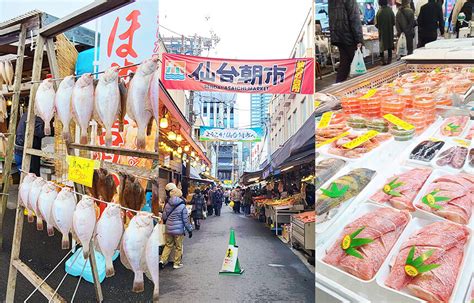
{"x": 369, "y": 14}
{"x": 168, "y": 188}
{"x": 385, "y": 21}
{"x": 35, "y": 163}
{"x": 310, "y": 194}
{"x": 419, "y": 4}
{"x": 209, "y": 201}
{"x": 247, "y": 201}
{"x": 218, "y": 199}
{"x": 467, "y": 11}
{"x": 227, "y": 196}
{"x": 199, "y": 207}
{"x": 175, "y": 216}
{"x": 405, "y": 23}
{"x": 453, "y": 18}
{"x": 429, "y": 21}
{"x": 346, "y": 33}
{"x": 236, "y": 196}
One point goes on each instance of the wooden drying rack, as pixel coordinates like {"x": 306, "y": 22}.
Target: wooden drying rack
{"x": 45, "y": 40}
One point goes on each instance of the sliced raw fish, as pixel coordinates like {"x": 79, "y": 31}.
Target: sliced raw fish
{"x": 83, "y": 223}
{"x": 152, "y": 257}
{"x": 138, "y": 102}
{"x": 46, "y": 199}
{"x": 107, "y": 101}
{"x": 62, "y": 212}
{"x": 454, "y": 126}
{"x": 134, "y": 243}
{"x": 62, "y": 103}
{"x": 24, "y": 188}
{"x": 108, "y": 234}
{"x": 44, "y": 104}
{"x": 454, "y": 157}
{"x": 83, "y": 103}
{"x": 33, "y": 196}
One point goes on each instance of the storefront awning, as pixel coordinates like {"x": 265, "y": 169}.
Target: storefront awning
{"x": 296, "y": 142}
{"x": 250, "y": 177}
{"x": 305, "y": 157}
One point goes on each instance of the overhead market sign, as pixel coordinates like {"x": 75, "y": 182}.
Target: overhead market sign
{"x": 230, "y": 134}
{"x": 286, "y": 76}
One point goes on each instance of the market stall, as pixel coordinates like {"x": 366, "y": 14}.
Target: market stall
{"x": 393, "y": 156}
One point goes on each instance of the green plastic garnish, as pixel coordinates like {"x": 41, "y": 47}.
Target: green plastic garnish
{"x": 415, "y": 267}
{"x": 451, "y": 127}
{"x": 350, "y": 242}
{"x": 431, "y": 199}
{"x": 334, "y": 191}
{"x": 389, "y": 188}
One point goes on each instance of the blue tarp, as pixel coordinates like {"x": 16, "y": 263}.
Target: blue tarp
{"x": 85, "y": 62}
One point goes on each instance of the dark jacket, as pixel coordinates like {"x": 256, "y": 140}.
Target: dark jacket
{"x": 218, "y": 197}
{"x": 176, "y": 220}
{"x": 344, "y": 23}
{"x": 405, "y": 22}
{"x": 430, "y": 19}
{"x": 199, "y": 205}
{"x": 385, "y": 21}
{"x": 467, "y": 10}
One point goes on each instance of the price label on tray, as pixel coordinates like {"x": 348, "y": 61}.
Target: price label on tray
{"x": 81, "y": 170}
{"x": 462, "y": 142}
{"x": 361, "y": 139}
{"x": 370, "y": 93}
{"x": 398, "y": 122}
{"x": 325, "y": 120}
{"x": 332, "y": 139}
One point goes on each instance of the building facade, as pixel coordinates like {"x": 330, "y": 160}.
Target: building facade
{"x": 259, "y": 109}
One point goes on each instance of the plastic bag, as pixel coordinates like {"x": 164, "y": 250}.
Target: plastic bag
{"x": 402, "y": 45}
{"x": 358, "y": 64}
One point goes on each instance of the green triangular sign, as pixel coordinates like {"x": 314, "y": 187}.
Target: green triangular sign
{"x": 231, "y": 264}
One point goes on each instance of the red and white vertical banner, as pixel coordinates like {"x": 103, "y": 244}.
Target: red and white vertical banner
{"x": 128, "y": 36}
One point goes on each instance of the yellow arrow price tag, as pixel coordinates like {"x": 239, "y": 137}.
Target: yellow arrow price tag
{"x": 398, "y": 122}
{"x": 361, "y": 139}
{"x": 81, "y": 170}
{"x": 370, "y": 93}
{"x": 462, "y": 142}
{"x": 332, "y": 139}
{"x": 325, "y": 119}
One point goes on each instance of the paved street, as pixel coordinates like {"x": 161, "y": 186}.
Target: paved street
{"x": 273, "y": 273}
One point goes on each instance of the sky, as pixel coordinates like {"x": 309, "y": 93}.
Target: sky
{"x": 248, "y": 29}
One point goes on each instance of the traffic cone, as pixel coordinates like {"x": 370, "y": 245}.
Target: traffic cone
{"x": 231, "y": 257}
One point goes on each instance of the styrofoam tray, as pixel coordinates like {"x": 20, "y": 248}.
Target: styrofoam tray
{"x": 363, "y": 209}
{"x": 349, "y": 204}
{"x": 419, "y": 162}
{"x": 378, "y": 184}
{"x": 469, "y": 293}
{"x": 424, "y": 191}
{"x": 467, "y": 167}
{"x": 413, "y": 226}
{"x": 448, "y": 168}
{"x": 462, "y": 135}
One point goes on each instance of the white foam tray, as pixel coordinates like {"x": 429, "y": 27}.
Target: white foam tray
{"x": 462, "y": 135}
{"x": 322, "y": 250}
{"x": 414, "y": 225}
{"x": 448, "y": 168}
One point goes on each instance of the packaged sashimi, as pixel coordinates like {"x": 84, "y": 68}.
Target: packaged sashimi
{"x": 454, "y": 126}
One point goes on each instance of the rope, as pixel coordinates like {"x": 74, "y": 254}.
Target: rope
{"x": 78, "y": 282}
{"x": 44, "y": 280}
{"x": 62, "y": 280}
{"x": 101, "y": 201}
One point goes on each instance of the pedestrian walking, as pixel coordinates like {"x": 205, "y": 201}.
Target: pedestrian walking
{"x": 385, "y": 21}
{"x": 218, "y": 199}
{"x": 247, "y": 201}
{"x": 429, "y": 21}
{"x": 346, "y": 33}
{"x": 405, "y": 23}
{"x": 175, "y": 216}
{"x": 209, "y": 201}
{"x": 199, "y": 207}
{"x": 227, "y": 196}
{"x": 237, "y": 198}
{"x": 168, "y": 188}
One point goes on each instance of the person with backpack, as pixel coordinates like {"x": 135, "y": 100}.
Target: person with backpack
{"x": 199, "y": 207}
{"x": 175, "y": 216}
{"x": 405, "y": 23}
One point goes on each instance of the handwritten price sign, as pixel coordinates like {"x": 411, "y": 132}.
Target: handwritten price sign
{"x": 81, "y": 170}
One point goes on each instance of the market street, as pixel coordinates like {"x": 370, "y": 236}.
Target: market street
{"x": 273, "y": 273}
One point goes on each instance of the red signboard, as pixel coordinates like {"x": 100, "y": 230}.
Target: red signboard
{"x": 286, "y": 76}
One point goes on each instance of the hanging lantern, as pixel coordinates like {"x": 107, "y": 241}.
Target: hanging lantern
{"x": 186, "y": 148}
{"x": 164, "y": 122}
{"x": 193, "y": 154}
{"x": 179, "y": 138}
{"x": 171, "y": 136}
{"x": 180, "y": 150}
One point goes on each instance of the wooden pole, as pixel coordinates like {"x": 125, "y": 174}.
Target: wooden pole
{"x": 12, "y": 128}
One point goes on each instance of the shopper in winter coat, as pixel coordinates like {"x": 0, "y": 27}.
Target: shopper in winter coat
{"x": 369, "y": 14}
{"x": 199, "y": 207}
{"x": 175, "y": 216}
{"x": 455, "y": 12}
{"x": 346, "y": 33}
{"x": 210, "y": 201}
{"x": 168, "y": 188}
{"x": 405, "y": 23}
{"x": 217, "y": 200}
{"x": 429, "y": 21}
{"x": 467, "y": 11}
{"x": 247, "y": 201}
{"x": 385, "y": 21}
{"x": 236, "y": 196}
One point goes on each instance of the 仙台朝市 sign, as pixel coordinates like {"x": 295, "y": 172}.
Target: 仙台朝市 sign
{"x": 230, "y": 134}
{"x": 285, "y": 76}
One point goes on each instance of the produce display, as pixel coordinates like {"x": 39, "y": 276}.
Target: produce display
{"x": 397, "y": 214}
{"x": 306, "y": 217}
{"x": 441, "y": 247}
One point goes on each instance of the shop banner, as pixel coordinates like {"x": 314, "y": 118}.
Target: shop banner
{"x": 230, "y": 134}
{"x": 286, "y": 76}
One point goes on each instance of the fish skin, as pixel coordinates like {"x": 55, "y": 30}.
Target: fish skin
{"x": 109, "y": 232}
{"x": 46, "y": 199}
{"x": 138, "y": 101}
{"x": 134, "y": 243}
{"x": 327, "y": 168}
{"x": 3, "y": 73}
{"x": 83, "y": 223}
{"x": 62, "y": 103}
{"x": 33, "y": 196}
{"x": 107, "y": 101}
{"x": 44, "y": 104}
{"x": 24, "y": 188}
{"x": 123, "y": 103}
{"x": 62, "y": 212}
{"x": 83, "y": 103}
{"x": 9, "y": 72}
{"x": 3, "y": 106}
{"x": 153, "y": 95}
{"x": 152, "y": 257}
{"x": 357, "y": 180}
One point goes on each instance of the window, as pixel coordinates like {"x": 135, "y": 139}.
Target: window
{"x": 204, "y": 110}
